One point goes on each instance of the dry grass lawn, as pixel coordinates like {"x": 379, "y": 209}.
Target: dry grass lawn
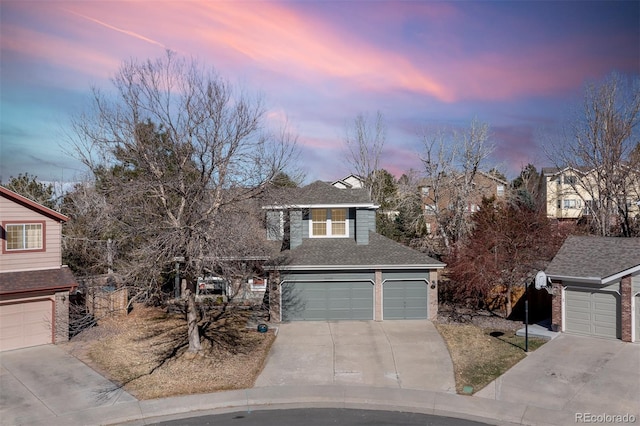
{"x": 139, "y": 352}
{"x": 481, "y": 355}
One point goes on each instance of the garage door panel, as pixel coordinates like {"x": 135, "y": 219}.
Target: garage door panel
{"x": 592, "y": 313}
{"x": 317, "y": 301}
{"x": 25, "y": 324}
{"x": 406, "y": 299}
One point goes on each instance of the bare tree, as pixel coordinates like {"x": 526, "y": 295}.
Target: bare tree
{"x": 364, "y": 142}
{"x": 172, "y": 148}
{"x": 451, "y": 163}
{"x": 598, "y": 154}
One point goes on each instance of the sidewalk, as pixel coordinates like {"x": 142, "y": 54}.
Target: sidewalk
{"x": 357, "y": 397}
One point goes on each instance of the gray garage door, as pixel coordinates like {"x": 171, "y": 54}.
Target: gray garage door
{"x": 592, "y": 313}
{"x": 404, "y": 299}
{"x": 317, "y": 301}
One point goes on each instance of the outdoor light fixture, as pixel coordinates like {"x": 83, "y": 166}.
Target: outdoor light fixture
{"x": 433, "y": 284}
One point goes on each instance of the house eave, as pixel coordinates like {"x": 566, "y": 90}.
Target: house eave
{"x": 584, "y": 280}
{"x": 320, "y": 206}
{"x": 353, "y": 267}
{"x": 596, "y": 280}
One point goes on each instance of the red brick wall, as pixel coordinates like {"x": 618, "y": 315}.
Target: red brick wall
{"x": 556, "y": 306}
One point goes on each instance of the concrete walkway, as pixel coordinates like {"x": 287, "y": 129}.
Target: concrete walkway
{"x": 391, "y": 354}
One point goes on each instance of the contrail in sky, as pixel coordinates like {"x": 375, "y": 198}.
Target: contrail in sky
{"x": 120, "y": 30}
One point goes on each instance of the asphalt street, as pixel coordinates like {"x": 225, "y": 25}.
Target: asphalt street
{"x": 321, "y": 417}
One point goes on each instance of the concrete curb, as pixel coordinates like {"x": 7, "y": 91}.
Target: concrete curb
{"x": 283, "y": 397}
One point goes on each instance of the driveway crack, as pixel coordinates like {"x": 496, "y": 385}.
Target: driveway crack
{"x": 393, "y": 355}
{"x": 333, "y": 349}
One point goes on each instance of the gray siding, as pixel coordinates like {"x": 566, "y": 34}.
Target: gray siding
{"x": 296, "y": 228}
{"x": 635, "y": 283}
{"x": 365, "y": 222}
{"x": 329, "y": 276}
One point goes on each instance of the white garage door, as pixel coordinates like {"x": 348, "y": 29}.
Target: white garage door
{"x": 592, "y": 313}
{"x": 638, "y": 318}
{"x": 26, "y": 324}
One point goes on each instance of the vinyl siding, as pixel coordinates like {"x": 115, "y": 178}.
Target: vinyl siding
{"x": 22, "y": 261}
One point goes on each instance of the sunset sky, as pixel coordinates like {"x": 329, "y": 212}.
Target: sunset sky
{"x": 520, "y": 66}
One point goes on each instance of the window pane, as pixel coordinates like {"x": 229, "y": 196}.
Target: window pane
{"x": 15, "y": 240}
{"x": 318, "y": 215}
{"x": 319, "y": 222}
{"x": 33, "y": 236}
{"x": 24, "y": 237}
{"x": 319, "y": 228}
{"x": 338, "y": 222}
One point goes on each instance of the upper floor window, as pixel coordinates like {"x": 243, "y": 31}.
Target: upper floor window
{"x": 329, "y": 223}
{"x": 571, "y": 204}
{"x": 500, "y": 190}
{"x": 570, "y": 180}
{"x": 425, "y": 191}
{"x": 24, "y": 236}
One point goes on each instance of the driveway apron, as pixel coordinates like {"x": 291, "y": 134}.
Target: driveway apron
{"x": 44, "y": 381}
{"x": 395, "y": 354}
{"x": 575, "y": 373}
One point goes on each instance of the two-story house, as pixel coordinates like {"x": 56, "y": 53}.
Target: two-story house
{"x": 34, "y": 286}
{"x": 569, "y": 193}
{"x": 565, "y": 198}
{"x": 439, "y": 197}
{"x": 334, "y": 266}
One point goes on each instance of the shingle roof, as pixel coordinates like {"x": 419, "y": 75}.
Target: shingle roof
{"x": 58, "y": 279}
{"x": 319, "y": 193}
{"x": 344, "y": 252}
{"x": 595, "y": 258}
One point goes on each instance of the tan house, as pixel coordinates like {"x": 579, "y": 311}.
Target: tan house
{"x": 436, "y": 200}
{"x": 569, "y": 193}
{"x": 34, "y": 285}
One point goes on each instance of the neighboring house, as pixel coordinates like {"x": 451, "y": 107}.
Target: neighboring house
{"x": 334, "y": 266}
{"x": 564, "y": 198}
{"x": 596, "y": 287}
{"x": 350, "y": 182}
{"x": 569, "y": 193}
{"x": 34, "y": 286}
{"x": 439, "y": 197}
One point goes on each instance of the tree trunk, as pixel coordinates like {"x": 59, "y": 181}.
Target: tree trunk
{"x": 192, "y": 322}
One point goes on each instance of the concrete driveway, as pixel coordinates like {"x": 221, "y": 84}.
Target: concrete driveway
{"x": 576, "y": 374}
{"x": 44, "y": 382}
{"x": 395, "y": 354}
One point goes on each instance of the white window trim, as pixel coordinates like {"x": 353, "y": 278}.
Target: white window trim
{"x": 329, "y": 229}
